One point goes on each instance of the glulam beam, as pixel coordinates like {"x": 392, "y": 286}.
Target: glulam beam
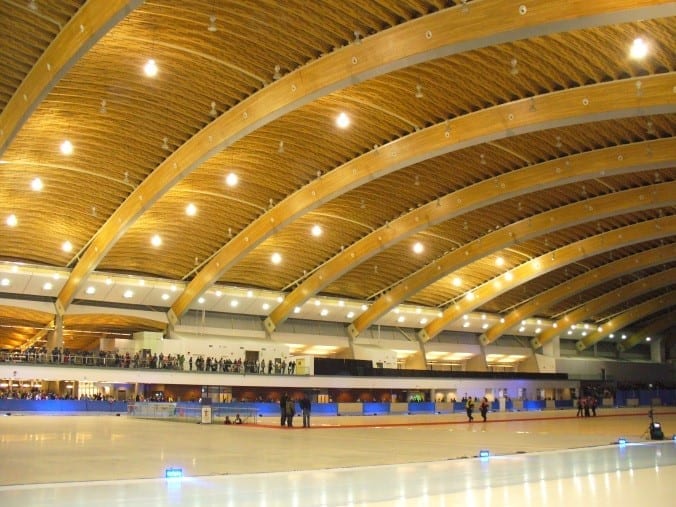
{"x": 554, "y": 260}
{"x": 89, "y": 24}
{"x": 627, "y": 318}
{"x": 604, "y": 302}
{"x": 656, "y": 326}
{"x": 602, "y": 274}
{"x": 539, "y": 177}
{"x": 628, "y": 201}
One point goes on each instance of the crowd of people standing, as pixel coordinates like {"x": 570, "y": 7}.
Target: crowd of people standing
{"x": 586, "y": 406}
{"x": 287, "y": 409}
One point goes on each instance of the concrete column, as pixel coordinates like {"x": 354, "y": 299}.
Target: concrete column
{"x": 478, "y": 362}
{"x": 417, "y": 361}
{"x": 552, "y": 348}
{"x": 56, "y": 337}
{"x": 656, "y": 351}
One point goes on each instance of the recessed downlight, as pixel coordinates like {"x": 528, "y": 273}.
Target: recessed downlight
{"x": 150, "y": 68}
{"x": 231, "y": 179}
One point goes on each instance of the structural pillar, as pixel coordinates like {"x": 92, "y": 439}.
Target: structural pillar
{"x": 56, "y": 336}
{"x": 552, "y": 348}
{"x": 656, "y": 351}
{"x": 418, "y": 360}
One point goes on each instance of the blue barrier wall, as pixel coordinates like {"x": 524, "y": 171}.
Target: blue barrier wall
{"x": 63, "y": 406}
{"x": 372, "y": 408}
{"x": 271, "y": 409}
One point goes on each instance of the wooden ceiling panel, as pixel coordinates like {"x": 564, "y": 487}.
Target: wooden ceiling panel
{"x": 213, "y": 57}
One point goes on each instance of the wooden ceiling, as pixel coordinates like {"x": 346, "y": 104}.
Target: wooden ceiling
{"x": 482, "y": 129}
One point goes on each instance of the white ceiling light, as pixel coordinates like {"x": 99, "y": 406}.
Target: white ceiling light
{"x": 4, "y": 282}
{"x": 231, "y": 179}
{"x": 11, "y": 220}
{"x": 639, "y": 49}
{"x": 165, "y": 296}
{"x": 67, "y": 147}
{"x": 324, "y": 312}
{"x": 418, "y": 247}
{"x": 201, "y": 300}
{"x": 401, "y": 319}
{"x": 296, "y": 309}
{"x": 499, "y": 261}
{"x": 470, "y": 296}
{"x": 648, "y": 338}
{"x": 36, "y": 184}
{"x": 350, "y": 315}
{"x": 266, "y": 306}
{"x": 150, "y": 68}
{"x": 91, "y": 290}
{"x": 343, "y": 121}
{"x": 234, "y": 303}
{"x": 109, "y": 281}
{"x": 67, "y": 246}
{"x": 276, "y": 258}
{"x": 128, "y": 294}
{"x": 219, "y": 293}
{"x": 280, "y": 299}
{"x": 156, "y": 240}
{"x": 316, "y": 230}
{"x": 509, "y": 276}
{"x": 48, "y": 286}
{"x": 457, "y": 282}
{"x": 191, "y": 210}
{"x": 423, "y": 321}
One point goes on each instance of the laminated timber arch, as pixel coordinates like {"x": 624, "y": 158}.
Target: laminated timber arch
{"x": 637, "y": 288}
{"x": 604, "y": 162}
{"x": 589, "y": 279}
{"x": 656, "y": 326}
{"x": 653, "y": 196}
{"x": 444, "y": 33}
{"x": 569, "y": 107}
{"x": 84, "y": 29}
{"x": 423, "y": 39}
{"x": 627, "y": 318}
{"x": 556, "y": 259}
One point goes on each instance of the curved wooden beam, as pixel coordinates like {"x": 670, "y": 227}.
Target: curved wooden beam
{"x": 579, "y": 105}
{"x": 591, "y": 278}
{"x": 85, "y": 28}
{"x": 657, "y": 326}
{"x": 435, "y": 36}
{"x": 538, "y": 225}
{"x": 626, "y": 318}
{"x": 546, "y": 263}
{"x": 566, "y": 170}
{"x": 608, "y": 300}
